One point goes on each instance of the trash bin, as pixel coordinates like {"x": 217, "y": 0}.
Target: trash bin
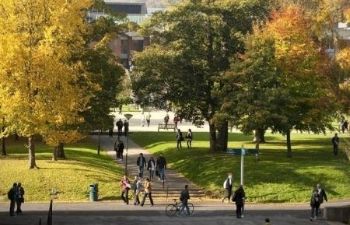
{"x": 93, "y": 192}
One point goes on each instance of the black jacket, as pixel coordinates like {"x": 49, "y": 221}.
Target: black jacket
{"x": 11, "y": 194}
{"x": 315, "y": 199}
{"x": 239, "y": 196}
{"x": 161, "y": 163}
{"x": 323, "y": 195}
{"x": 141, "y": 163}
{"x": 185, "y": 195}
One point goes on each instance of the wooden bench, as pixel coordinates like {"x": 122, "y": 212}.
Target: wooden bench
{"x": 163, "y": 126}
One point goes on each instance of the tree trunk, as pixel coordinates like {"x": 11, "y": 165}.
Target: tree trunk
{"x": 212, "y": 132}
{"x": 54, "y": 154}
{"x": 289, "y": 145}
{"x": 60, "y": 151}
{"x": 3, "y": 149}
{"x": 259, "y": 134}
{"x": 257, "y": 141}
{"x": 99, "y": 142}
{"x": 31, "y": 149}
{"x": 222, "y": 138}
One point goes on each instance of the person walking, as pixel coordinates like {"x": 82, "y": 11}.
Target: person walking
{"x": 315, "y": 204}
{"x": 189, "y": 137}
{"x": 126, "y": 127}
{"x": 335, "y": 142}
{"x": 141, "y": 163}
{"x": 11, "y": 194}
{"x": 143, "y": 118}
{"x": 117, "y": 156}
{"x": 151, "y": 167}
{"x": 148, "y": 119}
{"x": 137, "y": 186}
{"x": 176, "y": 120}
{"x": 19, "y": 198}
{"x": 184, "y": 197}
{"x": 228, "y": 183}
{"x": 179, "y": 139}
{"x": 125, "y": 187}
{"x": 322, "y": 194}
{"x": 148, "y": 192}
{"x": 161, "y": 167}
{"x": 238, "y": 198}
{"x": 119, "y": 127}
{"x": 166, "y": 120}
{"x": 121, "y": 150}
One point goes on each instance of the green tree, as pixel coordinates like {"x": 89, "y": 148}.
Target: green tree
{"x": 191, "y": 48}
{"x": 251, "y": 85}
{"x": 104, "y": 72}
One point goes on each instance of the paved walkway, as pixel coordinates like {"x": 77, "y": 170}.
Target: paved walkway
{"x": 175, "y": 182}
{"x": 108, "y": 213}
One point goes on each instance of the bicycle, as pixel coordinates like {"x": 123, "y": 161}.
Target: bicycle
{"x": 174, "y": 209}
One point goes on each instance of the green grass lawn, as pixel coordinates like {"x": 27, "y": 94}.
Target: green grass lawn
{"x": 274, "y": 178}
{"x": 71, "y": 177}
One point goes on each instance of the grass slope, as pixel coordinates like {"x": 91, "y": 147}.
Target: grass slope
{"x": 71, "y": 177}
{"x": 274, "y": 178}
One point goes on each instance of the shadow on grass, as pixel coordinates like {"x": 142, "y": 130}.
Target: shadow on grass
{"x": 109, "y": 198}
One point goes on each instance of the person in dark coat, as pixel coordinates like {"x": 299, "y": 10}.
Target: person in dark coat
{"x": 11, "y": 194}
{"x": 238, "y": 198}
{"x": 179, "y": 139}
{"x": 166, "y": 120}
{"x": 161, "y": 167}
{"x": 126, "y": 127}
{"x": 119, "y": 127}
{"x": 119, "y": 148}
{"x": 228, "y": 183}
{"x": 184, "y": 197}
{"x": 335, "y": 142}
{"x": 315, "y": 204}
{"x": 19, "y": 198}
{"x": 141, "y": 163}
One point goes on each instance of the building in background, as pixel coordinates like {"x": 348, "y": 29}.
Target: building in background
{"x": 135, "y": 11}
{"x": 343, "y": 35}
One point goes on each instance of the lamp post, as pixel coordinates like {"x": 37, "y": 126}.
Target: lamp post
{"x": 128, "y": 117}
{"x": 242, "y": 164}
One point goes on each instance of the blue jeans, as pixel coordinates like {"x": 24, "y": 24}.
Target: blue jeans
{"x": 184, "y": 205}
{"x": 162, "y": 174}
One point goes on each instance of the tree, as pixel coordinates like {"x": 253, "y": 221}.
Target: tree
{"x": 103, "y": 71}
{"x": 191, "y": 48}
{"x": 250, "y": 86}
{"x": 38, "y": 75}
{"x": 3, "y": 139}
{"x": 304, "y": 89}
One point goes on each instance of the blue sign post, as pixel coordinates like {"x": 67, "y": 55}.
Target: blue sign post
{"x": 242, "y": 164}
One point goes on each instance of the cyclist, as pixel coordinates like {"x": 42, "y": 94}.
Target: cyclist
{"x": 185, "y": 195}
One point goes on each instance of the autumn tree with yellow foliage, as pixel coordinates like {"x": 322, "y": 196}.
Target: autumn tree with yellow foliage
{"x": 305, "y": 100}
{"x": 39, "y": 78}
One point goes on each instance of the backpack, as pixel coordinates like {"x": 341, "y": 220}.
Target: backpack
{"x": 10, "y": 194}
